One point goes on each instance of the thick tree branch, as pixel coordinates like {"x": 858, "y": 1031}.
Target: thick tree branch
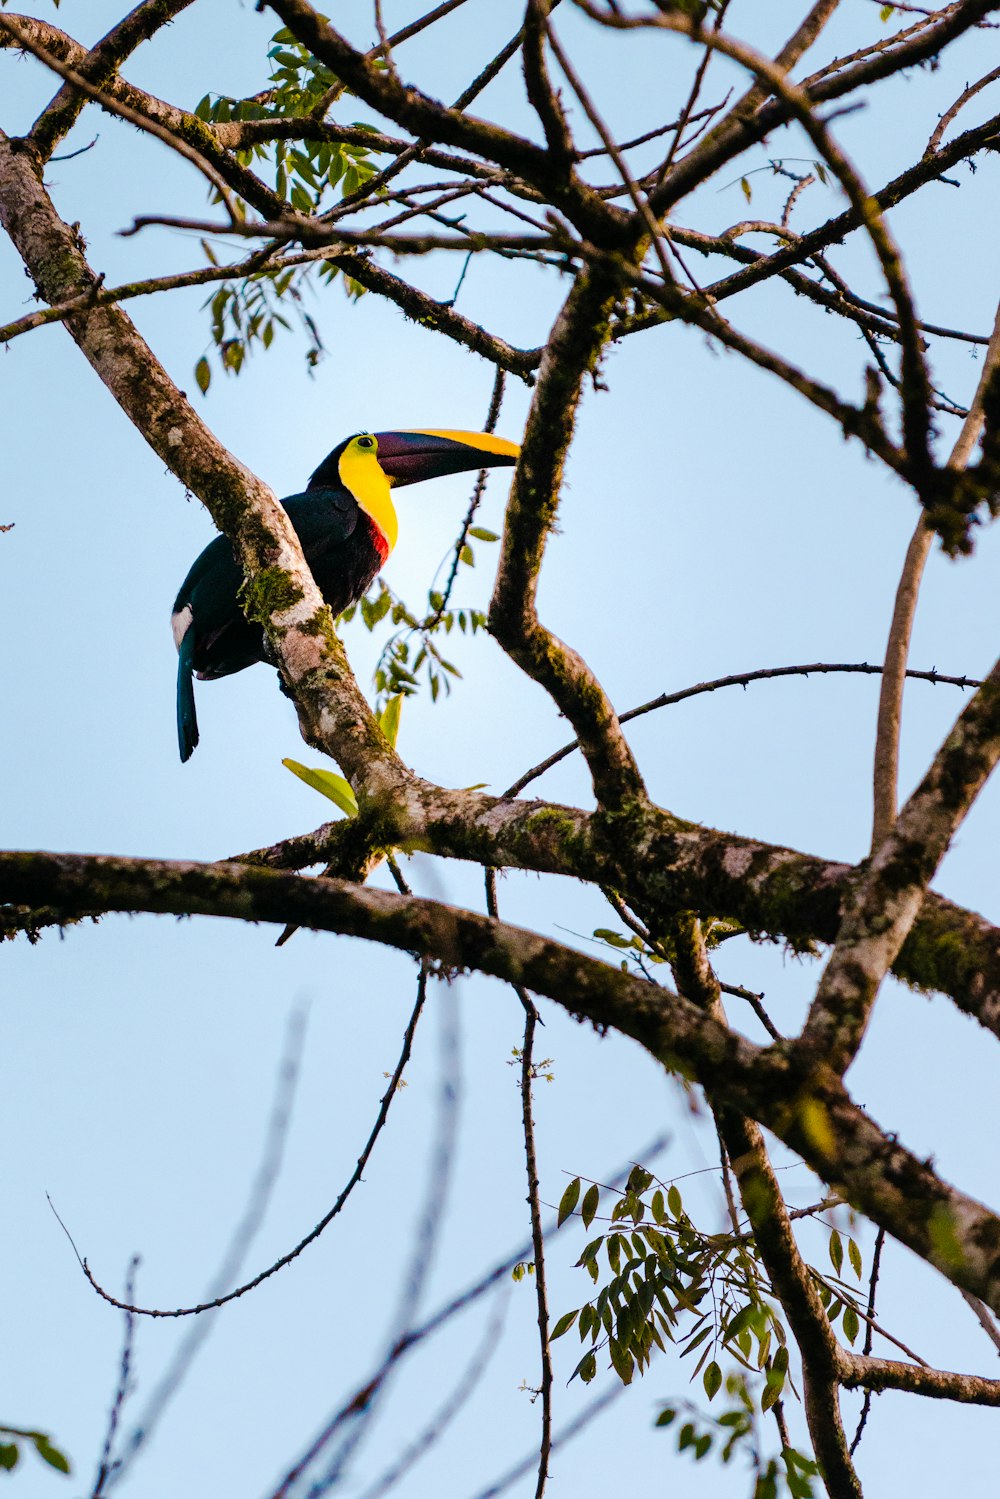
{"x": 733, "y": 134}
{"x": 885, "y": 898}
{"x": 573, "y": 348}
{"x": 890, "y": 705}
{"x": 415, "y": 111}
{"x": 774, "y": 1239}
{"x": 99, "y": 66}
{"x": 665, "y": 865}
{"x": 281, "y": 592}
{"x": 866, "y": 1373}
{"x": 808, "y": 1109}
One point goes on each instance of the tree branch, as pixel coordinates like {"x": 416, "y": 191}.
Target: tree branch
{"x": 99, "y": 66}
{"x": 281, "y": 592}
{"x": 889, "y": 891}
{"x": 572, "y": 351}
{"x": 897, "y": 650}
{"x": 808, "y": 1109}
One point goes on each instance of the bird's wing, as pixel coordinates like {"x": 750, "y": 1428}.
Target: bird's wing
{"x": 324, "y": 518}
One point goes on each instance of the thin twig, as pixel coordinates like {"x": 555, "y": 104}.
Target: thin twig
{"x": 960, "y": 102}
{"x": 446, "y": 1413}
{"x": 869, "y": 1333}
{"x": 534, "y": 1206}
{"x": 105, "y": 1467}
{"x": 492, "y": 417}
{"x": 325, "y": 1221}
{"x": 357, "y": 1416}
{"x": 586, "y": 1416}
{"x": 984, "y": 1317}
{"x": 742, "y": 679}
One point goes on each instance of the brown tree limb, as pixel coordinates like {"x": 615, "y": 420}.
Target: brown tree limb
{"x": 877, "y": 1374}
{"x": 897, "y": 650}
{"x": 82, "y": 85}
{"x": 572, "y": 350}
{"x": 99, "y": 66}
{"x": 774, "y": 1239}
{"x": 414, "y": 110}
{"x": 282, "y": 593}
{"x": 177, "y": 128}
{"x": 808, "y": 1109}
{"x": 736, "y": 132}
{"x": 800, "y": 105}
{"x": 927, "y": 170}
{"x": 889, "y": 891}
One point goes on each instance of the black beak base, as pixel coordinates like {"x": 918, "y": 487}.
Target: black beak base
{"x": 410, "y": 457}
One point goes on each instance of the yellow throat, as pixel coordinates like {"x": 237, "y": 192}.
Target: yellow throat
{"x": 361, "y": 473}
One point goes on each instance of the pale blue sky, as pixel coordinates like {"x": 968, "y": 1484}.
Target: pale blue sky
{"x": 712, "y": 523}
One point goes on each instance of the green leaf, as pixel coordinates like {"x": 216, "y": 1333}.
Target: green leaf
{"x": 203, "y": 374}
{"x": 481, "y": 534}
{"x": 675, "y": 1202}
{"x": 569, "y": 1200}
{"x": 836, "y": 1251}
{"x": 614, "y": 939}
{"x": 666, "y": 1416}
{"x": 587, "y": 1367}
{"x": 771, "y": 1393}
{"x": 712, "y": 1380}
{"x": 854, "y": 1255}
{"x": 850, "y": 1323}
{"x": 591, "y": 1200}
{"x": 696, "y": 1341}
{"x": 885, "y": 14}
{"x": 563, "y": 1325}
{"x": 621, "y": 1360}
{"x": 8, "y": 1455}
{"x": 327, "y": 784}
{"x": 51, "y": 1455}
{"x": 466, "y": 556}
{"x": 747, "y": 189}
{"x": 388, "y": 720}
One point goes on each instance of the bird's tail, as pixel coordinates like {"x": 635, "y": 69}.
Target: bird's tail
{"x": 187, "y": 718}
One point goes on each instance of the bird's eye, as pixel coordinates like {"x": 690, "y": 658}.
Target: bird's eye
{"x": 366, "y": 442}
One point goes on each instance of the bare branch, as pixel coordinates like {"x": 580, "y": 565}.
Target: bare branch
{"x": 807, "y": 1107}
{"x": 887, "y": 895}
{"x": 573, "y": 348}
{"x": 99, "y": 67}
{"x": 890, "y": 707}
{"x": 24, "y": 39}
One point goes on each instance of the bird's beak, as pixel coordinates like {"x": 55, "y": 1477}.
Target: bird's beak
{"x": 409, "y": 457}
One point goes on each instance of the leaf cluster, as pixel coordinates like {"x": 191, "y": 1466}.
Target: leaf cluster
{"x": 413, "y": 650}
{"x": 663, "y": 1280}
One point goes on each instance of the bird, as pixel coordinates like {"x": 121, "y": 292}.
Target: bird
{"x": 347, "y": 526}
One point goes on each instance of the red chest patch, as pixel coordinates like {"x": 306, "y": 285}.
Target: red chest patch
{"x": 379, "y": 542}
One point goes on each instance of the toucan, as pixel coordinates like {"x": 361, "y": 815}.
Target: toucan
{"x": 346, "y": 523}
